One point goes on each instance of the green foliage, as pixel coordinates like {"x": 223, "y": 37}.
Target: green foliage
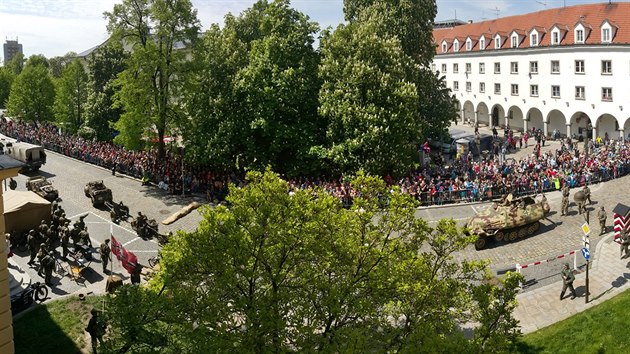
{"x": 148, "y": 88}
{"x": 254, "y": 94}
{"x": 71, "y": 97}
{"x": 32, "y": 93}
{"x": 104, "y": 65}
{"x": 296, "y": 272}
{"x": 37, "y": 60}
{"x": 56, "y": 65}
{"x": 6, "y": 80}
{"x": 16, "y": 64}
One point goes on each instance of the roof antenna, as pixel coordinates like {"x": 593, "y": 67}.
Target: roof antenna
{"x": 456, "y": 14}
{"x": 543, "y": 3}
{"x": 496, "y": 11}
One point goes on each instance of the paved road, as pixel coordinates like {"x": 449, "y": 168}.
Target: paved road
{"x": 558, "y": 235}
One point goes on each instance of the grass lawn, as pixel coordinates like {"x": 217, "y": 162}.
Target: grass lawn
{"x": 55, "y": 327}
{"x": 601, "y": 329}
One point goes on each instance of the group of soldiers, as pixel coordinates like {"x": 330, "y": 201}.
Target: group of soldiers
{"x": 581, "y": 204}
{"x": 44, "y": 240}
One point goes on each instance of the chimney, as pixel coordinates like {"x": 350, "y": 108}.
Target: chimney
{"x": 470, "y": 21}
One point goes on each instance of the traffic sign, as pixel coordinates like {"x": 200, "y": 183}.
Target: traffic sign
{"x": 586, "y": 253}
{"x": 586, "y": 241}
{"x": 586, "y": 229}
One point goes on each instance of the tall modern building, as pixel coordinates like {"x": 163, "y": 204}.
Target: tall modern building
{"x": 11, "y": 48}
{"x": 555, "y": 70}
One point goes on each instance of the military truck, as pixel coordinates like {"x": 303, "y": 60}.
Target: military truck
{"x": 42, "y": 187}
{"x": 33, "y": 156}
{"x": 508, "y": 220}
{"x": 98, "y": 193}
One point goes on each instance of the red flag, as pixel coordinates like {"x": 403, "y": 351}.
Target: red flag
{"x": 127, "y": 258}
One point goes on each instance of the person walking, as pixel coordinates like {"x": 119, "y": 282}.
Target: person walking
{"x": 48, "y": 265}
{"x": 96, "y": 328}
{"x": 106, "y": 254}
{"x": 587, "y": 194}
{"x": 567, "y": 281}
{"x": 565, "y": 200}
{"x": 601, "y": 216}
{"x": 625, "y": 242}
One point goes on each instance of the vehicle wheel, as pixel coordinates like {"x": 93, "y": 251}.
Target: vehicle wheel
{"x": 112, "y": 216}
{"x": 533, "y": 228}
{"x": 522, "y": 233}
{"x": 94, "y": 203}
{"x": 480, "y": 243}
{"x": 499, "y": 236}
{"x": 152, "y": 262}
{"x": 41, "y": 293}
{"x": 513, "y": 235}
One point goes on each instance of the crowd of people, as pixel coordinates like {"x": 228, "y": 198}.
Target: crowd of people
{"x": 465, "y": 178}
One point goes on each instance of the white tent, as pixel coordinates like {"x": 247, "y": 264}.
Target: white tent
{"x": 24, "y": 210}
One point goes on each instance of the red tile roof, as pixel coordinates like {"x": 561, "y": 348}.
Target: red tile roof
{"x": 617, "y": 14}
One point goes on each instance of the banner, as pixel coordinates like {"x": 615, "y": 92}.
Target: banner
{"x": 128, "y": 259}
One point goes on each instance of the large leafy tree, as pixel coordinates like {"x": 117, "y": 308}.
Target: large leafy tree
{"x": 296, "y": 272}
{"x": 159, "y": 33}
{"x": 16, "y": 64}
{"x": 104, "y": 65}
{"x": 56, "y": 65}
{"x": 6, "y": 80}
{"x": 254, "y": 97}
{"x": 33, "y": 92}
{"x": 71, "y": 96}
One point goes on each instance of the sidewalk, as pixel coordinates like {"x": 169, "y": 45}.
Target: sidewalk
{"x": 608, "y": 277}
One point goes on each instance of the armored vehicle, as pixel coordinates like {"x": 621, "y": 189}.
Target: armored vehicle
{"x": 42, "y": 187}
{"x": 508, "y": 220}
{"x": 98, "y": 193}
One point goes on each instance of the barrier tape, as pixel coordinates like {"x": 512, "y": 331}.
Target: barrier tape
{"x": 519, "y": 267}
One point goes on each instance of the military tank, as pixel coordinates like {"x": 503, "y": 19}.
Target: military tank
{"x": 510, "y": 219}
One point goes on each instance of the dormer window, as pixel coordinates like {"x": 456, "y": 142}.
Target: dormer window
{"x": 555, "y": 37}
{"x": 444, "y": 47}
{"x": 605, "y": 35}
{"x": 497, "y": 42}
{"x": 456, "y": 46}
{"x": 533, "y": 39}
{"x": 468, "y": 45}
{"x": 482, "y": 44}
{"x": 514, "y": 41}
{"x": 579, "y": 36}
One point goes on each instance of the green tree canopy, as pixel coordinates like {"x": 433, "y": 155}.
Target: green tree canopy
{"x": 32, "y": 93}
{"x": 16, "y": 64}
{"x": 160, "y": 33}
{"x": 296, "y": 272}
{"x": 57, "y": 64}
{"x": 6, "y": 80}
{"x": 254, "y": 96}
{"x": 104, "y": 65}
{"x": 71, "y": 96}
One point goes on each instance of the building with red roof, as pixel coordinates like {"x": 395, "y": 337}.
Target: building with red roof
{"x": 555, "y": 70}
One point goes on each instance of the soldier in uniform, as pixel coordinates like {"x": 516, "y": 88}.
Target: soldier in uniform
{"x": 587, "y": 194}
{"x": 84, "y": 237}
{"x": 96, "y": 328}
{"x": 565, "y": 200}
{"x": 567, "y": 281}
{"x": 105, "y": 252}
{"x": 601, "y": 216}
{"x": 43, "y": 251}
{"x": 48, "y": 264}
{"x": 33, "y": 245}
{"x": 65, "y": 240}
{"x": 43, "y": 229}
{"x": 625, "y": 242}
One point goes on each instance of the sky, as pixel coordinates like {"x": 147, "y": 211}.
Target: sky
{"x": 56, "y": 27}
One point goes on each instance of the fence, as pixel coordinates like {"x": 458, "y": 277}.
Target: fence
{"x": 544, "y": 272}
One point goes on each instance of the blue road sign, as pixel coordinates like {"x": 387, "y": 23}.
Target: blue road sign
{"x": 586, "y": 253}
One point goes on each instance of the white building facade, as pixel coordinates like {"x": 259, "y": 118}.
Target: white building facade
{"x": 554, "y": 70}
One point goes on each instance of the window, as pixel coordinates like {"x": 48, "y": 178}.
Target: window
{"x": 606, "y": 67}
{"x": 497, "y": 68}
{"x": 468, "y": 45}
{"x": 482, "y": 87}
{"x": 444, "y": 47}
{"x": 497, "y": 89}
{"x": 468, "y": 68}
{"x": 555, "y": 37}
{"x": 514, "y": 90}
{"x": 514, "y": 41}
{"x": 555, "y": 67}
{"x": 533, "y": 67}
{"x": 533, "y": 40}
{"x": 482, "y": 68}
{"x": 497, "y": 42}
{"x": 579, "y": 92}
{"x": 455, "y": 85}
{"x": 579, "y": 36}
{"x": 607, "y": 94}
{"x": 433, "y": 67}
{"x": 555, "y": 91}
{"x": 468, "y": 86}
{"x": 455, "y": 68}
{"x": 579, "y": 66}
{"x": 482, "y": 43}
{"x": 514, "y": 67}
{"x": 605, "y": 35}
{"x": 456, "y": 46}
{"x": 533, "y": 90}
{"x": 444, "y": 68}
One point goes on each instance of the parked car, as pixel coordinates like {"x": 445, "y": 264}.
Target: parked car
{"x": 42, "y": 187}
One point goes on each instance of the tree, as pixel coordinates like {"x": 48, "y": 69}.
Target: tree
{"x": 71, "y": 96}
{"x": 159, "y": 33}
{"x": 32, "y": 93}
{"x": 57, "y": 64}
{"x": 254, "y": 97}
{"x": 6, "y": 80}
{"x": 296, "y": 272}
{"x": 16, "y": 64}
{"x": 104, "y": 65}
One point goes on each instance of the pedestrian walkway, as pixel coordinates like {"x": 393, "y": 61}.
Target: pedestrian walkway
{"x": 608, "y": 277}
